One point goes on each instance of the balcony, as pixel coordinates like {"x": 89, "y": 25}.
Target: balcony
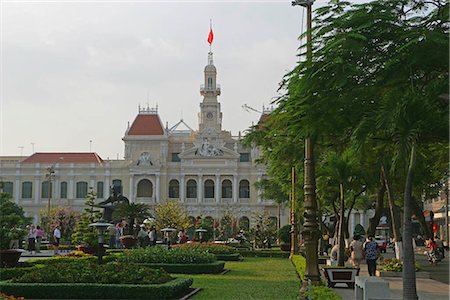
{"x": 204, "y": 89}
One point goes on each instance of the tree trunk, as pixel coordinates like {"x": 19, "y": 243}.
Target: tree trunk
{"x": 341, "y": 256}
{"x": 417, "y": 210}
{"x": 409, "y": 271}
{"x": 395, "y": 227}
{"x": 373, "y": 222}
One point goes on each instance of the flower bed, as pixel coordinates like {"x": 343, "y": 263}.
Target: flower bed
{"x": 395, "y": 265}
{"x": 162, "y": 255}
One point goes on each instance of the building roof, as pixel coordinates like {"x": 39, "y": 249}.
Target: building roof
{"x": 146, "y": 124}
{"x": 63, "y": 158}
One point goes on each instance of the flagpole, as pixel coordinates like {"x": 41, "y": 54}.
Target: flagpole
{"x": 210, "y": 28}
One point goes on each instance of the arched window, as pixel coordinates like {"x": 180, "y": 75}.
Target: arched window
{"x": 227, "y": 189}
{"x": 44, "y": 189}
{"x": 117, "y": 185}
{"x": 244, "y": 223}
{"x": 209, "y": 82}
{"x": 209, "y": 189}
{"x": 63, "y": 193}
{"x": 27, "y": 189}
{"x": 174, "y": 189}
{"x": 191, "y": 189}
{"x": 82, "y": 188}
{"x": 8, "y": 188}
{"x": 145, "y": 188}
{"x": 100, "y": 188}
{"x": 244, "y": 189}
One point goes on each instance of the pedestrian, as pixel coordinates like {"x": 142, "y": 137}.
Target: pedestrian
{"x": 32, "y": 239}
{"x": 334, "y": 255}
{"x": 16, "y": 235}
{"x": 356, "y": 248}
{"x": 371, "y": 252}
{"x": 152, "y": 236}
{"x": 119, "y": 234}
{"x": 142, "y": 236}
{"x": 439, "y": 245}
{"x": 39, "y": 235}
{"x": 56, "y": 239}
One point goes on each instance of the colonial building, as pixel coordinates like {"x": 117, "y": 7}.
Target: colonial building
{"x": 207, "y": 170}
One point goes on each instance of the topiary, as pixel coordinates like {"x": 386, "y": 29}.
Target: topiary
{"x": 284, "y": 234}
{"x": 84, "y": 234}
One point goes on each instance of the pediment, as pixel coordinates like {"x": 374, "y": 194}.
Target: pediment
{"x": 217, "y": 152}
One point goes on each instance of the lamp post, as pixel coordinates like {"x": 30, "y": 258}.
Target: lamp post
{"x": 101, "y": 227}
{"x": 200, "y": 233}
{"x": 310, "y": 227}
{"x": 49, "y": 176}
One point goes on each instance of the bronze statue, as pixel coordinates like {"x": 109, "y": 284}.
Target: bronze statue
{"x": 115, "y": 199}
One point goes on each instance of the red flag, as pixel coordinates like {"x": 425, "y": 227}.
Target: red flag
{"x": 210, "y": 36}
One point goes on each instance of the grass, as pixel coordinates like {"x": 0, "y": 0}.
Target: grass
{"x": 253, "y": 278}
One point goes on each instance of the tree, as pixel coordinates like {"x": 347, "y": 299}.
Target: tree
{"x": 170, "y": 214}
{"x": 66, "y": 217}
{"x": 133, "y": 213}
{"x": 84, "y": 234}
{"x": 11, "y": 216}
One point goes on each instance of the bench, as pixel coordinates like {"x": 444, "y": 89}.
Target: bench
{"x": 370, "y": 287}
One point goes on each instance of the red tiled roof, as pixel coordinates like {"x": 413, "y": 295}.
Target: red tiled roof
{"x": 146, "y": 125}
{"x": 67, "y": 158}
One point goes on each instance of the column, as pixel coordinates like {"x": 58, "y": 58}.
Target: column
{"x": 362, "y": 219}
{"x": 37, "y": 188}
{"x": 17, "y": 189}
{"x": 182, "y": 189}
{"x": 199, "y": 188}
{"x": 217, "y": 187}
{"x": 131, "y": 194}
{"x": 259, "y": 189}
{"x": 352, "y": 223}
{"x": 71, "y": 192}
{"x": 158, "y": 188}
{"x": 92, "y": 183}
{"x": 235, "y": 188}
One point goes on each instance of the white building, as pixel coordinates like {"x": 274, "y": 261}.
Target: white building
{"x": 207, "y": 170}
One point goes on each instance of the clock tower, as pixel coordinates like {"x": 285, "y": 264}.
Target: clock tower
{"x": 210, "y": 115}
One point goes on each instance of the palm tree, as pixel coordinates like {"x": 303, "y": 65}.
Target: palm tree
{"x": 132, "y": 213}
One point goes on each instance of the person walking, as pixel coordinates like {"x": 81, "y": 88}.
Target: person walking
{"x": 119, "y": 233}
{"x": 372, "y": 252}
{"x": 152, "y": 236}
{"x": 32, "y": 239}
{"x": 57, "y": 239}
{"x": 356, "y": 248}
{"x": 39, "y": 235}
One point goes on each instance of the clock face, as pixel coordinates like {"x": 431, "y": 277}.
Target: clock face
{"x": 209, "y": 115}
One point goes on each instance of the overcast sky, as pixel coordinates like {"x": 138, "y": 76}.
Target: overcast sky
{"x": 75, "y": 71}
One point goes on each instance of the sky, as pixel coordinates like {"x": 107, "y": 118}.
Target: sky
{"x": 73, "y": 73}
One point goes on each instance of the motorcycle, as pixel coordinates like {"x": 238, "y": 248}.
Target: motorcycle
{"x": 434, "y": 256}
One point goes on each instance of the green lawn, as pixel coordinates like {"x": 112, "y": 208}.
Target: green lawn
{"x": 253, "y": 278}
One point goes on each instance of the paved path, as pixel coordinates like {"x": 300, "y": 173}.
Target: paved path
{"x": 428, "y": 289}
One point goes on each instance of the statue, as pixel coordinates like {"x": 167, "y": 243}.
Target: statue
{"x": 115, "y": 199}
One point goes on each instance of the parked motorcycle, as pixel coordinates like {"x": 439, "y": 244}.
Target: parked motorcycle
{"x": 434, "y": 256}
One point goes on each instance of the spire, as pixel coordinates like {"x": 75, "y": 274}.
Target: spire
{"x": 210, "y": 59}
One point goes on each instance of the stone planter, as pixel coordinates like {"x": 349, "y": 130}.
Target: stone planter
{"x": 341, "y": 275}
{"x": 420, "y": 274}
{"x": 285, "y": 247}
{"x": 10, "y": 257}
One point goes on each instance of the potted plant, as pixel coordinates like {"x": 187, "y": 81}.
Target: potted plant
{"x": 132, "y": 213}
{"x": 85, "y": 236}
{"x": 12, "y": 220}
{"x": 284, "y": 235}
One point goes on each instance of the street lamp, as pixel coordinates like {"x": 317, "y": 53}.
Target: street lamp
{"x": 101, "y": 227}
{"x": 167, "y": 232}
{"x": 311, "y": 227}
{"x": 49, "y": 176}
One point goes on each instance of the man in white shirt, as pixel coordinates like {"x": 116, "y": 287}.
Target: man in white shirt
{"x": 57, "y": 238}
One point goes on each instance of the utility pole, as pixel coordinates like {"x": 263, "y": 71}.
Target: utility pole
{"x": 311, "y": 231}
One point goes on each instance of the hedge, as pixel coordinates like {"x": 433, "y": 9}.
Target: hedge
{"x": 299, "y": 263}
{"x": 211, "y": 268}
{"x": 8, "y": 273}
{"x": 229, "y": 257}
{"x": 264, "y": 253}
{"x": 166, "y": 290}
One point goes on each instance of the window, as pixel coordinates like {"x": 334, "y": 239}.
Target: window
{"x": 27, "y": 190}
{"x": 209, "y": 82}
{"x": 82, "y": 188}
{"x": 227, "y": 189}
{"x": 191, "y": 189}
{"x": 8, "y": 188}
{"x": 117, "y": 185}
{"x": 63, "y": 192}
{"x": 44, "y": 189}
{"x": 245, "y": 157}
{"x": 100, "y": 188}
{"x": 174, "y": 189}
{"x": 209, "y": 188}
{"x": 145, "y": 188}
{"x": 175, "y": 157}
{"x": 244, "y": 189}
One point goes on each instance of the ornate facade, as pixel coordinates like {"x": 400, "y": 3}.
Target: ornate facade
{"x": 207, "y": 170}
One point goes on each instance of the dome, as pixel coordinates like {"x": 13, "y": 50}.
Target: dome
{"x": 210, "y": 68}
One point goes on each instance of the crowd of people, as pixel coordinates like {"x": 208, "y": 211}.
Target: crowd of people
{"x": 33, "y": 237}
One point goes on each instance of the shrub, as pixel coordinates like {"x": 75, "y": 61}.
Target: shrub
{"x": 6, "y": 297}
{"x": 209, "y": 247}
{"x": 263, "y": 253}
{"x": 9, "y": 273}
{"x": 300, "y": 265}
{"x": 284, "y": 234}
{"x": 83, "y": 271}
{"x": 162, "y": 255}
{"x": 323, "y": 292}
{"x": 210, "y": 268}
{"x": 395, "y": 265}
